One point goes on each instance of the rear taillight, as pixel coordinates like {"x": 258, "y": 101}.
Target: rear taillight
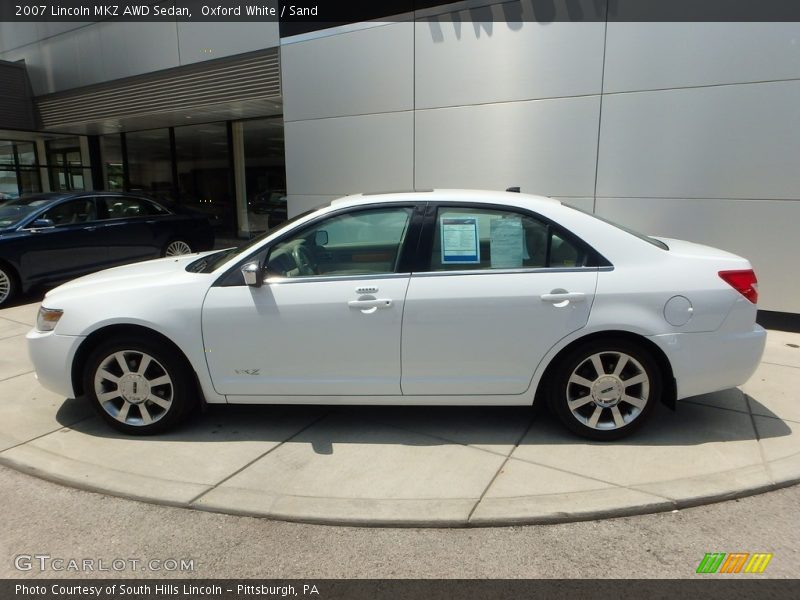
{"x": 743, "y": 281}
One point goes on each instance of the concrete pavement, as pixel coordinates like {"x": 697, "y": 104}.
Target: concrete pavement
{"x": 411, "y": 465}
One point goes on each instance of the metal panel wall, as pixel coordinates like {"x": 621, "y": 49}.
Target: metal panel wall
{"x": 732, "y": 141}
{"x": 652, "y": 56}
{"x": 343, "y": 155}
{"x": 352, "y": 73}
{"x": 459, "y": 64}
{"x": 494, "y": 146}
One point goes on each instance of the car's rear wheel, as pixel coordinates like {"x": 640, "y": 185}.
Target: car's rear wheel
{"x": 137, "y": 387}
{"x": 8, "y": 284}
{"x": 177, "y": 247}
{"x": 605, "y": 389}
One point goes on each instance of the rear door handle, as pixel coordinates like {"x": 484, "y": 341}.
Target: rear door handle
{"x": 367, "y": 304}
{"x": 557, "y": 297}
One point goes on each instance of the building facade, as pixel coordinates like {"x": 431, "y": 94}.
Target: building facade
{"x": 687, "y": 130}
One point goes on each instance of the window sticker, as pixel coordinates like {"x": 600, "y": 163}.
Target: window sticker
{"x": 507, "y": 243}
{"x": 460, "y": 240}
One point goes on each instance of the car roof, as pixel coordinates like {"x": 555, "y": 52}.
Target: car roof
{"x": 51, "y": 197}
{"x": 448, "y": 195}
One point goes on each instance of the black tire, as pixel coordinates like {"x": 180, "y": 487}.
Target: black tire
{"x": 633, "y": 402}
{"x": 8, "y": 284}
{"x": 166, "y": 250}
{"x": 152, "y": 407}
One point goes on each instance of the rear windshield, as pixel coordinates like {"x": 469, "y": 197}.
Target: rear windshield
{"x": 641, "y": 236}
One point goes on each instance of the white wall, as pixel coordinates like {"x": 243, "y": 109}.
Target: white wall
{"x": 685, "y": 130}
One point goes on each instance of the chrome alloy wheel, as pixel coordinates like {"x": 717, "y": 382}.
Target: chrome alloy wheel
{"x": 177, "y": 248}
{"x": 608, "y": 390}
{"x": 5, "y": 286}
{"x": 133, "y": 388}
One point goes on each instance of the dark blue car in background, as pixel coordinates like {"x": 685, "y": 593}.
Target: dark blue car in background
{"x": 50, "y": 238}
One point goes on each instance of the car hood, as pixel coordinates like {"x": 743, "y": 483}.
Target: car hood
{"x": 134, "y": 275}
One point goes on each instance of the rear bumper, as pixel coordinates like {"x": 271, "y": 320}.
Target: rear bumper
{"x": 711, "y": 361}
{"x": 52, "y": 356}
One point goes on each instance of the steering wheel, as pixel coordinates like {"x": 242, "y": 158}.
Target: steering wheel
{"x": 304, "y": 260}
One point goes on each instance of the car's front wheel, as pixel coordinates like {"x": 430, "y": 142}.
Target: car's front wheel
{"x": 137, "y": 387}
{"x": 604, "y": 390}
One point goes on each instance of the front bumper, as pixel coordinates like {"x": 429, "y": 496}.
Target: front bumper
{"x": 52, "y": 356}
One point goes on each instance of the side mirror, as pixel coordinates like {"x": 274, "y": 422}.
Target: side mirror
{"x": 253, "y": 274}
{"x": 42, "y": 223}
{"x": 321, "y": 238}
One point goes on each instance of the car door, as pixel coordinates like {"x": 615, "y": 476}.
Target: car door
{"x": 70, "y": 247}
{"x": 502, "y": 287}
{"x": 316, "y": 327}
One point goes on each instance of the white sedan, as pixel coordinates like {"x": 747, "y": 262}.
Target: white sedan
{"x": 419, "y": 298}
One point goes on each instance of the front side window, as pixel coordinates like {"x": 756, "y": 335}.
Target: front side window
{"x": 365, "y": 242}
{"x": 71, "y": 212}
{"x": 476, "y": 238}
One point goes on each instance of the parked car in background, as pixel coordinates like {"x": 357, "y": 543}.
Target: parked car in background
{"x": 272, "y": 205}
{"x": 498, "y": 298}
{"x": 54, "y": 237}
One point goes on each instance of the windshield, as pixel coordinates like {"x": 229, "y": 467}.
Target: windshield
{"x": 13, "y": 212}
{"x": 210, "y": 263}
{"x": 641, "y": 236}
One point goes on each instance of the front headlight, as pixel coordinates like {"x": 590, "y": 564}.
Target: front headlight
{"x": 47, "y": 318}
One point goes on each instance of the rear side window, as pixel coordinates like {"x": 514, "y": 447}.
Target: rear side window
{"x": 476, "y": 238}
{"x": 119, "y": 207}
{"x": 633, "y": 232}
{"x": 81, "y": 210}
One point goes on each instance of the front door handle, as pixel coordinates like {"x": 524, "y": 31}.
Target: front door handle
{"x": 370, "y": 304}
{"x": 559, "y": 297}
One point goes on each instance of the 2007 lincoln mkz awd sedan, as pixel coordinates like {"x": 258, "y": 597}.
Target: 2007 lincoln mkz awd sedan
{"x": 441, "y": 297}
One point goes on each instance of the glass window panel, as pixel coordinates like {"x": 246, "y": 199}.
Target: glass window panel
{"x": 8, "y": 184}
{"x": 204, "y": 173}
{"x": 6, "y": 152}
{"x": 58, "y": 145}
{"x": 150, "y": 162}
{"x": 30, "y": 181}
{"x": 113, "y": 172}
{"x": 265, "y": 173}
{"x": 26, "y": 152}
{"x": 64, "y": 164}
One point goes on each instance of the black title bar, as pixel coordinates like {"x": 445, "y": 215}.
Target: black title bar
{"x": 343, "y": 11}
{"x": 702, "y": 588}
